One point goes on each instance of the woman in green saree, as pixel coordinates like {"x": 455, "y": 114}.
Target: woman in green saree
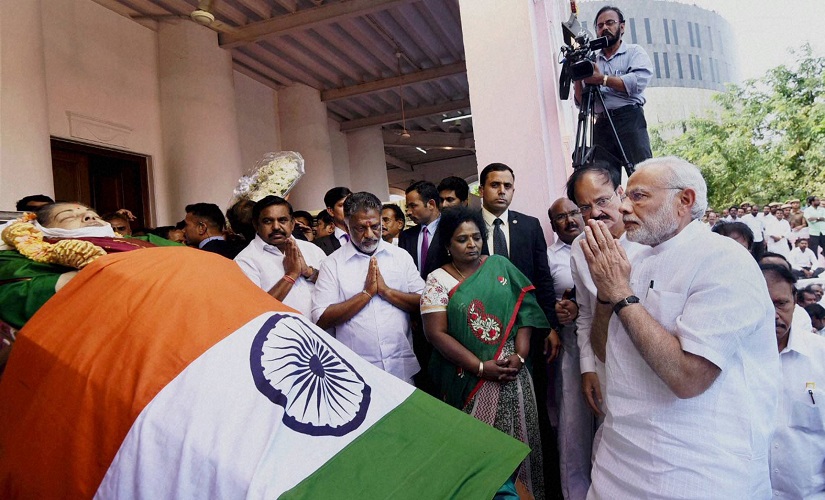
{"x": 478, "y": 313}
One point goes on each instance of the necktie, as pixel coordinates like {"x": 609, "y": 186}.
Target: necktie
{"x": 499, "y": 241}
{"x": 425, "y": 245}
{"x": 346, "y": 237}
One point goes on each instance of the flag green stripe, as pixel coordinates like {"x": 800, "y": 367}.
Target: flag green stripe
{"x": 421, "y": 449}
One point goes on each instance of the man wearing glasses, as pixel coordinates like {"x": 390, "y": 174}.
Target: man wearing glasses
{"x": 596, "y": 191}
{"x": 622, "y": 71}
{"x": 694, "y": 376}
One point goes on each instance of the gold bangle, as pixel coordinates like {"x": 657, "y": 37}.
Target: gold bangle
{"x": 480, "y": 369}
{"x": 289, "y": 279}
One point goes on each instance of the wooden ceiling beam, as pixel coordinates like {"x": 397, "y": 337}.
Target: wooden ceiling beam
{"x": 371, "y": 121}
{"x": 395, "y": 162}
{"x": 304, "y": 19}
{"x": 419, "y": 139}
{"x": 394, "y": 81}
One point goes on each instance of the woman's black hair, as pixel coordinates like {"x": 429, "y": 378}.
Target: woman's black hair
{"x": 451, "y": 218}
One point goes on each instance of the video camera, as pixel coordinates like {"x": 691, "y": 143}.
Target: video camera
{"x": 578, "y": 55}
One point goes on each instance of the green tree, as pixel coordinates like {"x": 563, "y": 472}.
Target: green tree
{"x": 766, "y": 139}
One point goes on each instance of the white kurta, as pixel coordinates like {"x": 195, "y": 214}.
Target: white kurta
{"x": 264, "y": 265}
{"x": 380, "y": 332}
{"x": 705, "y": 290}
{"x": 798, "y": 448}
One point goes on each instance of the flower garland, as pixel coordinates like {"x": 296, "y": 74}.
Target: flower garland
{"x": 28, "y": 240}
{"x": 275, "y": 174}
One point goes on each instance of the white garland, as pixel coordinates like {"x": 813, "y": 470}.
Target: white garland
{"x": 275, "y": 174}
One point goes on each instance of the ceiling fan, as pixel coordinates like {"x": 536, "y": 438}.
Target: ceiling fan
{"x": 203, "y": 15}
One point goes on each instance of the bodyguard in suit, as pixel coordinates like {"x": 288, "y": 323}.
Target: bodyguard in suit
{"x": 519, "y": 237}
{"x": 203, "y": 228}
{"x": 421, "y": 242}
{"x": 334, "y": 201}
{"x": 423, "y": 209}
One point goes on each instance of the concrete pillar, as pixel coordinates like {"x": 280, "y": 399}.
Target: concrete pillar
{"x": 25, "y": 152}
{"x": 367, "y": 162}
{"x": 304, "y": 129}
{"x": 511, "y": 48}
{"x": 200, "y": 130}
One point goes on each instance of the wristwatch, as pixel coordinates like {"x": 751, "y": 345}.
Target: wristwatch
{"x": 624, "y": 303}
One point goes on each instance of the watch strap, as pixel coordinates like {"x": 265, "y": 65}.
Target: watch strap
{"x": 624, "y": 303}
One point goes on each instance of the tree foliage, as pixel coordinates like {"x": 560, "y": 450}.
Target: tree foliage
{"x": 765, "y": 141}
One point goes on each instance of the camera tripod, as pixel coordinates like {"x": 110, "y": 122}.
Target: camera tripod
{"x": 584, "y": 150}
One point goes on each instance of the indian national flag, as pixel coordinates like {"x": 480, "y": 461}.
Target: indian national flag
{"x": 165, "y": 373}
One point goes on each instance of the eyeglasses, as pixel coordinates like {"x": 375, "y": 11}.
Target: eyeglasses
{"x": 609, "y": 23}
{"x": 601, "y": 203}
{"x": 559, "y": 218}
{"x": 640, "y": 196}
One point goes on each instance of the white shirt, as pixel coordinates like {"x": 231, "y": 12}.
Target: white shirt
{"x": 714, "y": 300}
{"x": 586, "y": 297}
{"x": 780, "y": 228}
{"x": 800, "y": 259}
{"x": 489, "y": 221}
{"x": 380, "y": 332}
{"x": 798, "y": 447}
{"x": 756, "y": 226}
{"x": 343, "y": 236}
{"x": 801, "y": 319}
{"x": 264, "y": 265}
{"x": 558, "y": 258}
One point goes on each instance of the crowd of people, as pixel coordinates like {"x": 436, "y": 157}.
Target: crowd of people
{"x": 657, "y": 349}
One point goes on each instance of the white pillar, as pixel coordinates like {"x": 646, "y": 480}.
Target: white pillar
{"x": 304, "y": 129}
{"x": 25, "y": 152}
{"x": 511, "y": 69}
{"x": 367, "y": 162}
{"x": 200, "y": 130}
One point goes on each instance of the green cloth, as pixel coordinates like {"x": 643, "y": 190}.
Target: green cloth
{"x": 483, "y": 312}
{"x": 451, "y": 456}
{"x": 25, "y": 285}
{"x": 156, "y": 240}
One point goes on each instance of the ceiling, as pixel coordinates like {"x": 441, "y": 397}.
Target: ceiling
{"x": 364, "y": 56}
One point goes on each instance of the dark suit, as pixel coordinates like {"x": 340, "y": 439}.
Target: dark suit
{"x": 408, "y": 240}
{"x": 528, "y": 252}
{"x": 328, "y": 243}
{"x": 228, "y": 249}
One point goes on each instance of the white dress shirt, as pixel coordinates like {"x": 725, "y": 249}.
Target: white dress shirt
{"x": 779, "y": 228}
{"x": 757, "y": 226}
{"x": 489, "y": 221}
{"x": 800, "y": 259}
{"x": 558, "y": 258}
{"x": 380, "y": 332}
{"x": 264, "y": 265}
{"x": 341, "y": 235}
{"x": 798, "y": 447}
{"x": 714, "y": 300}
{"x": 801, "y": 319}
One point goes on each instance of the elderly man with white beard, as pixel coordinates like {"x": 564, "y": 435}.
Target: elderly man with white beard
{"x": 367, "y": 289}
{"x": 693, "y": 383}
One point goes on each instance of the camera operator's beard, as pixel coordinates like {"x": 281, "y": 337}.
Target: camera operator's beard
{"x": 613, "y": 38}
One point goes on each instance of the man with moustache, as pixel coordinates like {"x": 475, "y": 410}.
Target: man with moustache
{"x": 277, "y": 262}
{"x": 797, "y": 461}
{"x": 392, "y": 223}
{"x": 596, "y": 191}
{"x": 367, "y": 290}
{"x": 454, "y": 191}
{"x": 693, "y": 383}
{"x": 576, "y": 424}
{"x": 621, "y": 71}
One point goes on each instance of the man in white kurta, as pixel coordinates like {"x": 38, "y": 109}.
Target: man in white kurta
{"x": 692, "y": 370}
{"x": 798, "y": 447}
{"x": 264, "y": 265}
{"x": 282, "y": 266}
{"x": 363, "y": 289}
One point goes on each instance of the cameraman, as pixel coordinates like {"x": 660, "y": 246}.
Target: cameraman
{"x": 622, "y": 71}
